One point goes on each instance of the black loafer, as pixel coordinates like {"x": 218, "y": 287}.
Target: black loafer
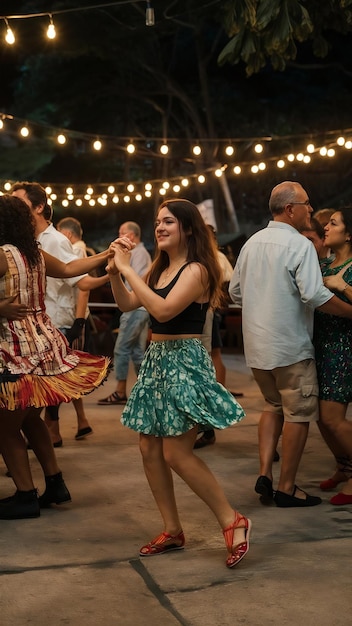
{"x": 284, "y": 500}
{"x": 264, "y": 487}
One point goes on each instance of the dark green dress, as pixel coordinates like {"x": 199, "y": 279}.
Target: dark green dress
{"x": 333, "y": 347}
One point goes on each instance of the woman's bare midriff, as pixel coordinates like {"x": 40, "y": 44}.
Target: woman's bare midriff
{"x": 156, "y": 337}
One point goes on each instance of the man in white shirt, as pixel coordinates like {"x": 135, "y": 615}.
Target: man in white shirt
{"x": 278, "y": 282}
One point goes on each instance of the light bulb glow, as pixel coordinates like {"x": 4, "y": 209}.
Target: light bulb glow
{"x": 148, "y": 187}
{"x": 184, "y": 182}
{"x": 1, "y": 124}
{"x": 164, "y": 149}
{"x": 97, "y": 145}
{"x": 61, "y": 139}
{"x": 130, "y": 188}
{"x": 197, "y": 150}
{"x": 201, "y": 179}
{"x": 348, "y": 145}
{"x": 254, "y": 169}
{"x": 7, "y": 186}
{"x": 111, "y": 189}
{"x": 310, "y": 148}
{"x": 9, "y": 37}
{"x": 340, "y": 141}
{"x": 323, "y": 151}
{"x": 280, "y": 164}
{"x": 237, "y": 170}
{"x": 229, "y": 150}
{"x": 131, "y": 148}
{"x": 51, "y": 32}
{"x": 69, "y": 191}
{"x": 291, "y": 157}
{"x": 24, "y": 131}
{"x": 331, "y": 152}
{"x": 258, "y": 148}
{"x": 218, "y": 172}
{"x": 48, "y": 190}
{"x": 126, "y": 199}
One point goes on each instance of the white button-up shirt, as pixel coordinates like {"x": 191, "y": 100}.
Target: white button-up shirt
{"x": 277, "y": 280}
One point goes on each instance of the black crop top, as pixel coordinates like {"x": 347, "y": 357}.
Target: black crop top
{"x": 188, "y": 322}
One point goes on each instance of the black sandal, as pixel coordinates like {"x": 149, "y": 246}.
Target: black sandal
{"x": 114, "y": 398}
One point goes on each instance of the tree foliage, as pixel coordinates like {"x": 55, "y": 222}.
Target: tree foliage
{"x": 268, "y": 30}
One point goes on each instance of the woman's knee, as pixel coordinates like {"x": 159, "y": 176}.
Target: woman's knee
{"x": 150, "y": 447}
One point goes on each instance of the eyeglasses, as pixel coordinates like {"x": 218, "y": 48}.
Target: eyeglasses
{"x": 306, "y": 202}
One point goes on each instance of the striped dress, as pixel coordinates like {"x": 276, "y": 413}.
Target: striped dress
{"x": 37, "y": 367}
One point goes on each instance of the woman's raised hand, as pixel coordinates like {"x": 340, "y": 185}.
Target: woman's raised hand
{"x": 121, "y": 249}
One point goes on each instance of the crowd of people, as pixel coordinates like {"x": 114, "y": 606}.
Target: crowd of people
{"x": 293, "y": 280}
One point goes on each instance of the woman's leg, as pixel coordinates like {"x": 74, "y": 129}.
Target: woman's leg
{"x": 14, "y": 448}
{"x": 178, "y": 454}
{"x": 337, "y": 433}
{"x": 39, "y": 438}
{"x": 160, "y": 480}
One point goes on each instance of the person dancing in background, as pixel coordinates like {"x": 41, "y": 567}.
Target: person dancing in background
{"x": 176, "y": 388}
{"x": 332, "y": 341}
{"x": 36, "y": 366}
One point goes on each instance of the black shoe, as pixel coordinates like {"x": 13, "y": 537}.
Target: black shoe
{"x": 284, "y": 500}
{"x": 56, "y": 491}
{"x": 276, "y": 457}
{"x": 264, "y": 487}
{"x": 22, "y": 505}
{"x": 83, "y": 432}
{"x": 207, "y": 439}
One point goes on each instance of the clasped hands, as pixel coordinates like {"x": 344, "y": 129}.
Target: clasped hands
{"x": 120, "y": 249}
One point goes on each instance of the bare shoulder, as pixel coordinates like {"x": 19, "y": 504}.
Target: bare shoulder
{"x": 197, "y": 269}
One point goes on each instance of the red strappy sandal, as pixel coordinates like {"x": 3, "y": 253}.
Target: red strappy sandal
{"x": 163, "y": 543}
{"x": 240, "y": 550}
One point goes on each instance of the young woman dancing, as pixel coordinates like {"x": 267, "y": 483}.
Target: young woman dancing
{"x": 176, "y": 388}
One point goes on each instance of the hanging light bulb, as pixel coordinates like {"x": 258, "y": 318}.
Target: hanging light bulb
{"x": 258, "y": 148}
{"x": 24, "y": 131}
{"x": 131, "y": 148}
{"x": 196, "y": 150}
{"x": 61, "y": 139}
{"x": 51, "y": 32}
{"x": 1, "y": 124}
{"x": 9, "y": 37}
{"x": 149, "y": 15}
{"x": 164, "y": 149}
{"x": 97, "y": 145}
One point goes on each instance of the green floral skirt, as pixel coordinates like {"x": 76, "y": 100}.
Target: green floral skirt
{"x": 176, "y": 389}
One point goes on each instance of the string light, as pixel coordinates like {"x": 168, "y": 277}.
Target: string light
{"x": 9, "y": 37}
{"x": 149, "y": 15}
{"x": 51, "y": 32}
{"x": 61, "y": 139}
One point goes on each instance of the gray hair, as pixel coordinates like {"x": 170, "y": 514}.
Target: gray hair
{"x": 71, "y": 224}
{"x": 284, "y": 193}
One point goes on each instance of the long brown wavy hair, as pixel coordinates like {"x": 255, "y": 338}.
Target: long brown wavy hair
{"x": 17, "y": 228}
{"x": 201, "y": 247}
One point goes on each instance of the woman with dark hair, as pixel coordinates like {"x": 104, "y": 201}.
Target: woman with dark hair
{"x": 37, "y": 368}
{"x": 176, "y": 388}
{"x": 333, "y": 341}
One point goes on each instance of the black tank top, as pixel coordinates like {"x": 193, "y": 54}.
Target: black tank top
{"x": 188, "y": 322}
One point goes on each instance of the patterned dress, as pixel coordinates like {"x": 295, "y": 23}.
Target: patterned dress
{"x": 37, "y": 368}
{"x": 333, "y": 347}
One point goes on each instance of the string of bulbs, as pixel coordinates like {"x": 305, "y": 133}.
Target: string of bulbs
{"x": 10, "y": 37}
{"x": 102, "y": 194}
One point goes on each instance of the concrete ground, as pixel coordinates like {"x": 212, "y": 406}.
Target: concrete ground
{"x": 79, "y": 564}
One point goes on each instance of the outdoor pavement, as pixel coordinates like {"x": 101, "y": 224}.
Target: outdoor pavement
{"x": 79, "y": 564}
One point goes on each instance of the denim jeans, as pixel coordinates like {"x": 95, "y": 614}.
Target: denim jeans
{"x": 131, "y": 342}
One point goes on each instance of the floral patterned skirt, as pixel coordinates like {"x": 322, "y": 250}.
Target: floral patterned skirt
{"x": 177, "y": 389}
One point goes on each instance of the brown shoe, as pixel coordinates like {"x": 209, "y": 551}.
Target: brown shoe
{"x": 114, "y": 398}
